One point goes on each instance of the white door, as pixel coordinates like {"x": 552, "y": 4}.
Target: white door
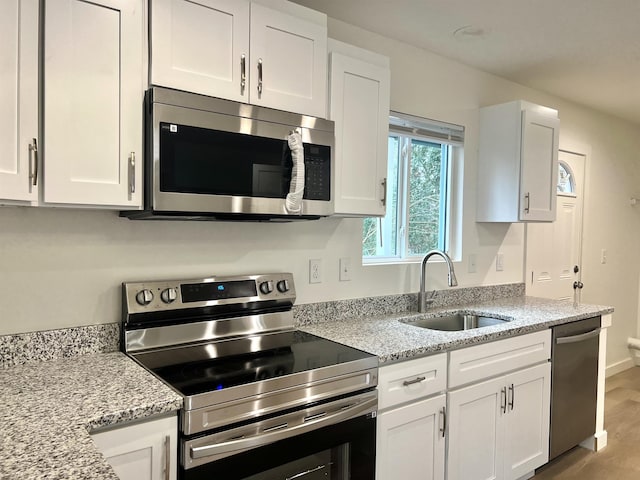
{"x": 553, "y": 250}
{"x": 476, "y": 436}
{"x": 201, "y": 46}
{"x": 18, "y": 99}
{"x": 288, "y": 67}
{"x": 359, "y": 104}
{"x": 93, "y": 92}
{"x": 527, "y": 420}
{"x": 410, "y": 442}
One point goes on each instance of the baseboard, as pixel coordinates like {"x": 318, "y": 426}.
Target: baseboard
{"x": 596, "y": 442}
{"x": 622, "y": 365}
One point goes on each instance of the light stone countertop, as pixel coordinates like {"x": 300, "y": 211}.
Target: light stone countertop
{"x": 391, "y": 340}
{"x": 47, "y": 410}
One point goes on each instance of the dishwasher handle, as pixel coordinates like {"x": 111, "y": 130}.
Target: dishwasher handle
{"x": 578, "y": 338}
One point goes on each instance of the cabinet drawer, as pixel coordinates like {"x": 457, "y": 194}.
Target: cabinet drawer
{"x": 411, "y": 380}
{"x": 487, "y": 360}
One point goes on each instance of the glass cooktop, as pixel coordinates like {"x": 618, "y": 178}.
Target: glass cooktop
{"x": 215, "y": 366}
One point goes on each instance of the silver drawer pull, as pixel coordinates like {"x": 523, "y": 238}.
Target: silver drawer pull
{"x": 406, "y": 383}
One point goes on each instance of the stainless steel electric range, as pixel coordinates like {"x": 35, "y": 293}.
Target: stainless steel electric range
{"x": 262, "y": 400}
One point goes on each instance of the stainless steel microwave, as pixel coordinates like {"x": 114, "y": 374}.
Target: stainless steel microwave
{"x": 213, "y": 159}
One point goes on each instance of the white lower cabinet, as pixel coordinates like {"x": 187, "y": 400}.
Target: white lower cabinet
{"x": 476, "y": 413}
{"x": 142, "y": 451}
{"x": 499, "y": 428}
{"x": 410, "y": 442}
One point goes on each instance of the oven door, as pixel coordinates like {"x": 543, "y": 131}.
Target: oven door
{"x": 334, "y": 440}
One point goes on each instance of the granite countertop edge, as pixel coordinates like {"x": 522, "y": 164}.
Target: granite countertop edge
{"x": 393, "y": 339}
{"x": 62, "y": 402}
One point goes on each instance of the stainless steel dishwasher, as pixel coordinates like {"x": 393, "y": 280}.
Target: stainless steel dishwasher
{"x": 574, "y": 384}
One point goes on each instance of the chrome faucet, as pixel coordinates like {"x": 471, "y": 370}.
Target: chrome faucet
{"x": 452, "y": 280}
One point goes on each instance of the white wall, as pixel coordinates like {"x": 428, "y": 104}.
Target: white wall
{"x": 63, "y": 267}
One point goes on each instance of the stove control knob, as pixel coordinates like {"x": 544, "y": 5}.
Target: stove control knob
{"x": 266, "y": 287}
{"x": 283, "y": 286}
{"x": 168, "y": 295}
{"x": 144, "y": 297}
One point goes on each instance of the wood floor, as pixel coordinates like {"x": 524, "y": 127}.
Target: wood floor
{"x": 620, "y": 459}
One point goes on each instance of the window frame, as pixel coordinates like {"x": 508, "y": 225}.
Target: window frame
{"x": 451, "y": 139}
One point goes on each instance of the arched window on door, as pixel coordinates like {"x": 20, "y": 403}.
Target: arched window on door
{"x": 566, "y": 180}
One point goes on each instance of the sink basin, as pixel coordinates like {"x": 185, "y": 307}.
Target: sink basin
{"x": 455, "y": 322}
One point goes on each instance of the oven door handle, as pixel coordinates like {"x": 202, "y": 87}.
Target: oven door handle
{"x": 313, "y": 422}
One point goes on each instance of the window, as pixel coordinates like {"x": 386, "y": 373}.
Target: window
{"x": 566, "y": 183}
{"x": 421, "y": 154}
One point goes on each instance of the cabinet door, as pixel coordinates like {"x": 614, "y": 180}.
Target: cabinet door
{"x": 359, "y": 104}
{"x": 288, "y": 68}
{"x": 527, "y": 420}
{"x": 18, "y": 99}
{"x": 142, "y": 451}
{"x": 93, "y": 91}
{"x": 410, "y": 443}
{"x": 476, "y": 437}
{"x": 199, "y": 46}
{"x": 539, "y": 167}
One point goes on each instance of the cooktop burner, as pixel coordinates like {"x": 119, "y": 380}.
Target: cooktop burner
{"x": 217, "y": 366}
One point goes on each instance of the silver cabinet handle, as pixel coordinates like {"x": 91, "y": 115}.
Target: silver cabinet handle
{"x": 306, "y": 472}
{"x": 503, "y": 403}
{"x": 527, "y": 202}
{"x": 132, "y": 173}
{"x": 578, "y": 338}
{"x": 512, "y": 395}
{"x": 33, "y": 162}
{"x": 167, "y": 457}
{"x": 384, "y": 192}
{"x": 443, "y": 412}
{"x": 406, "y": 383}
{"x": 243, "y": 73}
{"x": 259, "y": 77}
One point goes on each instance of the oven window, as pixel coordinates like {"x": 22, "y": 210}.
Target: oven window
{"x": 344, "y": 451}
{"x": 325, "y": 465}
{"x": 213, "y": 162}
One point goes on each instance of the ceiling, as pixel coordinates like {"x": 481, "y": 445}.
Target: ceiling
{"x": 586, "y": 51}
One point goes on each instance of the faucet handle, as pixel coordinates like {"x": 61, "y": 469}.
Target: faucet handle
{"x": 430, "y": 299}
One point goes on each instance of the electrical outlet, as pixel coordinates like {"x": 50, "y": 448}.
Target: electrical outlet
{"x": 345, "y": 269}
{"x": 472, "y": 263}
{"x": 603, "y": 256}
{"x": 315, "y": 270}
{"x": 499, "y": 262}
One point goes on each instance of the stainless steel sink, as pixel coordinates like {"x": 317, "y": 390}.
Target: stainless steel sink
{"x": 455, "y": 322}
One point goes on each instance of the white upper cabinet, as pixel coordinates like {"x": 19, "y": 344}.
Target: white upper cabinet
{"x": 18, "y": 100}
{"x": 269, "y": 53}
{"x": 201, "y": 47}
{"x": 517, "y": 163}
{"x": 359, "y": 105}
{"x": 93, "y": 97}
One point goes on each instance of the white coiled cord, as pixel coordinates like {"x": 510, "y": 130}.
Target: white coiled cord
{"x": 293, "y": 202}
